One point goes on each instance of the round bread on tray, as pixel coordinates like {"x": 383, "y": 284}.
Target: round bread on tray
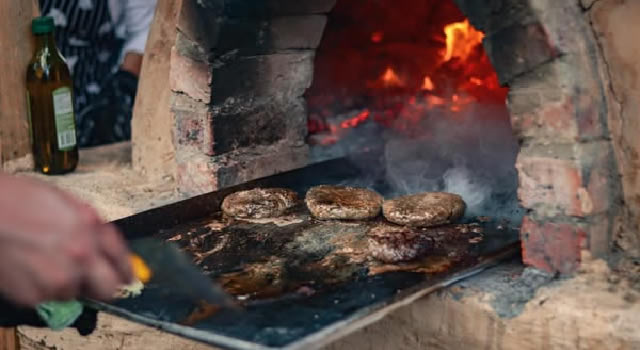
{"x": 328, "y": 202}
{"x": 259, "y": 203}
{"x": 391, "y": 244}
{"x": 424, "y": 209}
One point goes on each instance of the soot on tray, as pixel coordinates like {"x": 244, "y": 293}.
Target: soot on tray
{"x": 295, "y": 253}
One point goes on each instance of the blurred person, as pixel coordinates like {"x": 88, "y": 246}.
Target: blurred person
{"x": 54, "y": 247}
{"x": 103, "y": 43}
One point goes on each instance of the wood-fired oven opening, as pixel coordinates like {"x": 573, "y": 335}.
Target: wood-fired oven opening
{"x": 411, "y": 81}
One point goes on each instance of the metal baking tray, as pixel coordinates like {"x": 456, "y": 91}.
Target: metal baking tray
{"x": 321, "y": 297}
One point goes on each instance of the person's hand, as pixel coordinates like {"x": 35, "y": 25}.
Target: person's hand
{"x": 53, "y": 247}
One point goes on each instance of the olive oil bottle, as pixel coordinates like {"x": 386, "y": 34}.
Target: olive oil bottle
{"x": 50, "y": 102}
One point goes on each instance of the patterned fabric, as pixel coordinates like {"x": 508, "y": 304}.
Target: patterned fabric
{"x": 108, "y": 118}
{"x": 87, "y": 36}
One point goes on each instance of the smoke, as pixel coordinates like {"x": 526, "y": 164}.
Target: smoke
{"x": 470, "y": 153}
{"x": 460, "y": 181}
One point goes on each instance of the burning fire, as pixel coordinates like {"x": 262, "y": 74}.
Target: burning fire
{"x": 427, "y": 84}
{"x": 390, "y": 78}
{"x": 453, "y": 78}
{"x": 462, "y": 39}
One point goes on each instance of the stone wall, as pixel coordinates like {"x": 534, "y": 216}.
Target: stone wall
{"x": 238, "y": 73}
{"x": 545, "y": 51}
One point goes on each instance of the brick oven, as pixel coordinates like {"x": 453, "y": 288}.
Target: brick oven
{"x": 244, "y": 102}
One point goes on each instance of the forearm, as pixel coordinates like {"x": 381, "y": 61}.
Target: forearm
{"x": 132, "y": 63}
{"x": 138, "y": 15}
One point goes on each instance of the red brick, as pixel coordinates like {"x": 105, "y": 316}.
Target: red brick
{"x": 188, "y": 130}
{"x": 190, "y": 77}
{"x": 190, "y": 49}
{"x": 200, "y": 25}
{"x": 199, "y": 173}
{"x": 297, "y": 32}
{"x": 253, "y": 37}
{"x": 588, "y": 104}
{"x": 518, "y": 49}
{"x": 558, "y": 119}
{"x": 193, "y": 132}
{"x": 568, "y": 179}
{"x": 281, "y": 75}
{"x": 258, "y": 123}
{"x": 244, "y": 165}
{"x": 553, "y": 247}
{"x": 553, "y": 183}
{"x": 559, "y": 102}
{"x": 196, "y": 175}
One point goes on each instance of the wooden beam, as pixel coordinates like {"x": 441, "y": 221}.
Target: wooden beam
{"x": 152, "y": 126}
{"x": 9, "y": 339}
{"x": 16, "y": 48}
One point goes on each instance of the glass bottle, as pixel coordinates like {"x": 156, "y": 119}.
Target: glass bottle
{"x": 50, "y": 104}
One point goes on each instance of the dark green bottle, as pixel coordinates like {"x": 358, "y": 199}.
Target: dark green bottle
{"x": 50, "y": 102}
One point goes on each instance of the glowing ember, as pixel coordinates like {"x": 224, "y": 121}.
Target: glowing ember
{"x": 353, "y": 122}
{"x": 377, "y": 37}
{"x": 475, "y": 81}
{"x": 433, "y": 101}
{"x": 462, "y": 40}
{"x": 391, "y": 79}
{"x": 427, "y": 84}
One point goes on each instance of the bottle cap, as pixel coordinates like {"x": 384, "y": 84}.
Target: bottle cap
{"x": 42, "y": 25}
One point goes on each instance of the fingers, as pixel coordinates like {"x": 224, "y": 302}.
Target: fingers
{"x": 108, "y": 268}
{"x": 60, "y": 252}
{"x": 101, "y": 280}
{"x": 40, "y": 278}
{"x": 115, "y": 251}
{"x": 17, "y": 286}
{"x": 108, "y": 254}
{"x": 109, "y": 242}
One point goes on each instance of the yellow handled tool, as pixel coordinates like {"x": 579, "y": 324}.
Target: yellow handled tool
{"x": 140, "y": 269}
{"x": 164, "y": 265}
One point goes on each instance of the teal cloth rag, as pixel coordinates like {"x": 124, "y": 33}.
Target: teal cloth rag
{"x": 59, "y": 315}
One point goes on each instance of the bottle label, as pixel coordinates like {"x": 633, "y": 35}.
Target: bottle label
{"x": 64, "y": 118}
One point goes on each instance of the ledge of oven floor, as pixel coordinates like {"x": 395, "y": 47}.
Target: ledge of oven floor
{"x": 506, "y": 307}
{"x": 105, "y": 179}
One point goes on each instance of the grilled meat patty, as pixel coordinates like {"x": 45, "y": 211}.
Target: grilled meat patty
{"x": 259, "y": 203}
{"x": 340, "y": 202}
{"x": 424, "y": 209}
{"x": 391, "y": 244}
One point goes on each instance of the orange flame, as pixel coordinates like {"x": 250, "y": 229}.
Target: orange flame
{"x": 438, "y": 86}
{"x": 427, "y": 84}
{"x": 462, "y": 39}
{"x": 390, "y": 78}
